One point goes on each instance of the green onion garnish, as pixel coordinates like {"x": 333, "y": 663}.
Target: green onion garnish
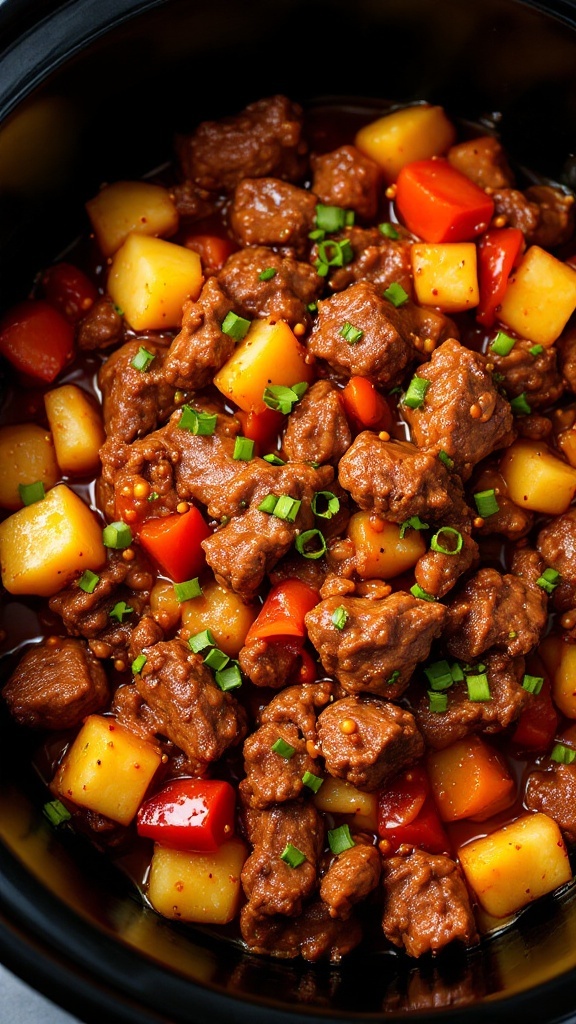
{"x": 274, "y": 459}
{"x": 339, "y": 839}
{"x": 311, "y": 537}
{"x": 392, "y": 679}
{"x": 243, "y": 449}
{"x": 325, "y": 504}
{"x": 287, "y": 508}
{"x": 536, "y": 350}
{"x": 88, "y": 581}
{"x": 396, "y": 294}
{"x": 339, "y": 617}
{"x": 502, "y": 344}
{"x": 533, "y": 683}
{"x": 350, "y": 333}
{"x": 413, "y": 523}
{"x": 445, "y": 458}
{"x": 200, "y": 641}
{"x": 143, "y": 359}
{"x": 235, "y": 327}
{"x": 283, "y": 749}
{"x": 456, "y": 672}
{"x": 443, "y": 534}
{"x": 520, "y": 405}
{"x": 31, "y": 493}
{"x": 283, "y": 399}
{"x": 56, "y": 813}
{"x": 416, "y": 392}
{"x": 478, "y": 687}
{"x": 439, "y": 675}
{"x": 486, "y": 503}
{"x": 138, "y": 663}
{"x": 437, "y": 702}
{"x": 267, "y": 274}
{"x": 333, "y": 218}
{"x": 312, "y": 781}
{"x": 230, "y": 677}
{"x": 388, "y": 230}
{"x": 292, "y": 856}
{"x": 562, "y": 754}
{"x": 549, "y": 580}
{"x": 117, "y": 535}
{"x": 187, "y": 590}
{"x": 216, "y": 659}
{"x": 199, "y": 423}
{"x": 423, "y": 595}
{"x": 333, "y": 254}
{"x": 119, "y": 610}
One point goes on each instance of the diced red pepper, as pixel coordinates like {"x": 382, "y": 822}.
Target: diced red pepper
{"x": 262, "y": 427}
{"x": 440, "y": 204}
{"x": 69, "y": 290}
{"x": 213, "y": 249}
{"x": 174, "y": 542}
{"x": 364, "y": 406}
{"x": 498, "y": 252}
{"x": 307, "y": 672}
{"x": 407, "y": 813}
{"x": 283, "y": 611}
{"x": 536, "y": 727}
{"x": 37, "y": 339}
{"x": 189, "y": 814}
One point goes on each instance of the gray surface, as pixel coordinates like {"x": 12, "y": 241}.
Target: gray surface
{"x": 20, "y": 1004}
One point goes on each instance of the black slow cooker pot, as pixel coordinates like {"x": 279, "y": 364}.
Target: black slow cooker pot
{"x": 93, "y": 90}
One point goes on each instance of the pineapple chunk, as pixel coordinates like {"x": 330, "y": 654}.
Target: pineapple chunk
{"x": 151, "y": 279}
{"x": 107, "y": 769}
{"x": 537, "y": 479}
{"x": 26, "y": 455}
{"x": 445, "y": 275}
{"x": 76, "y": 427}
{"x": 413, "y": 133}
{"x": 200, "y": 887}
{"x": 336, "y": 796}
{"x": 45, "y": 545}
{"x": 540, "y": 297}
{"x": 517, "y": 864}
{"x": 127, "y": 206}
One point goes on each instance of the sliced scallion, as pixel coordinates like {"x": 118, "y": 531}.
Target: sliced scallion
{"x": 444, "y": 536}
{"x": 396, "y": 294}
{"x": 197, "y": 422}
{"x": 142, "y": 360}
{"x": 339, "y": 617}
{"x": 413, "y": 523}
{"x": 312, "y": 781}
{"x": 350, "y": 333}
{"x": 325, "y": 504}
{"x": 243, "y": 449}
{"x": 478, "y": 687}
{"x": 421, "y": 594}
{"x": 235, "y": 326}
{"x": 311, "y": 537}
{"x": 117, "y": 536}
{"x": 200, "y": 641}
{"x": 292, "y": 856}
{"x": 187, "y": 590}
{"x": 88, "y": 581}
{"x": 283, "y": 749}
{"x": 502, "y": 344}
{"x": 486, "y": 503}
{"x": 339, "y": 839}
{"x": 416, "y": 392}
{"x": 31, "y": 493}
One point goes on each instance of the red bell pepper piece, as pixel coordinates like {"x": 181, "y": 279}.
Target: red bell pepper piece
{"x": 68, "y": 289}
{"x": 498, "y": 252}
{"x": 407, "y": 813}
{"x": 307, "y": 672}
{"x": 262, "y": 427}
{"x": 213, "y": 249}
{"x": 283, "y": 611}
{"x": 364, "y": 406}
{"x": 37, "y": 339}
{"x": 536, "y": 727}
{"x": 440, "y": 204}
{"x": 174, "y": 542}
{"x": 189, "y": 814}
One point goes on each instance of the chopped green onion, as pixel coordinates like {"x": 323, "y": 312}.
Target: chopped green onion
{"x": 117, "y": 535}
{"x": 119, "y": 610}
{"x": 268, "y": 504}
{"x": 339, "y": 839}
{"x": 512, "y": 634}
{"x": 456, "y": 672}
{"x": 143, "y": 359}
{"x": 235, "y": 327}
{"x": 56, "y": 813}
{"x": 199, "y": 423}
{"x": 292, "y": 856}
{"x": 216, "y": 659}
{"x": 274, "y": 459}
{"x": 229, "y": 678}
{"x": 317, "y": 235}
{"x": 536, "y": 350}
{"x": 533, "y": 683}
{"x": 396, "y": 294}
{"x": 312, "y": 307}
{"x": 388, "y": 230}
{"x": 332, "y": 504}
{"x": 138, "y": 663}
{"x": 447, "y": 531}
{"x": 267, "y": 274}
{"x": 478, "y": 687}
{"x": 486, "y": 503}
{"x": 312, "y": 781}
{"x": 413, "y": 523}
{"x": 392, "y": 679}
{"x": 549, "y": 580}
{"x": 287, "y": 508}
{"x": 439, "y": 675}
{"x": 474, "y": 669}
{"x": 243, "y": 449}
{"x": 333, "y": 218}
{"x": 200, "y": 641}
{"x": 311, "y": 537}
{"x": 502, "y": 344}
{"x": 437, "y": 702}
{"x": 423, "y": 595}
{"x": 187, "y": 590}
{"x": 339, "y": 617}
{"x": 562, "y": 754}
{"x": 416, "y": 392}
{"x": 153, "y": 496}
{"x": 445, "y": 458}
{"x": 283, "y": 399}
{"x": 283, "y": 749}
{"x": 520, "y": 405}
{"x": 88, "y": 581}
{"x": 333, "y": 254}
{"x": 350, "y": 333}
{"x": 31, "y": 493}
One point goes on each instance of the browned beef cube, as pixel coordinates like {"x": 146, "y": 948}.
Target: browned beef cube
{"x": 437, "y": 572}
{"x": 556, "y": 543}
{"x": 285, "y": 296}
{"x": 273, "y": 777}
{"x": 556, "y": 216}
{"x": 347, "y": 178}
{"x": 135, "y": 402}
{"x": 102, "y": 326}
{"x": 243, "y": 551}
{"x": 510, "y": 520}
{"x": 201, "y": 347}
{"x": 376, "y": 258}
{"x": 484, "y": 161}
{"x": 56, "y": 684}
{"x": 352, "y": 876}
{"x": 317, "y": 429}
{"x": 267, "y": 211}
{"x": 552, "y": 790}
{"x": 301, "y": 704}
{"x": 314, "y": 935}
{"x": 516, "y": 210}
{"x": 537, "y": 377}
{"x": 268, "y": 663}
{"x": 88, "y": 614}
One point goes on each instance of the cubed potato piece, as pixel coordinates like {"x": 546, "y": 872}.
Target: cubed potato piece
{"x": 445, "y": 275}
{"x": 413, "y": 133}
{"x": 270, "y": 353}
{"x": 164, "y": 605}
{"x": 77, "y": 429}
{"x": 537, "y": 479}
{"x": 470, "y": 779}
{"x": 336, "y": 796}
{"x": 517, "y": 864}
{"x": 379, "y": 550}
{"x": 26, "y": 455}
{"x": 151, "y": 279}
{"x": 45, "y": 545}
{"x": 221, "y": 611}
{"x": 540, "y": 297}
{"x": 560, "y": 661}
{"x": 200, "y": 887}
{"x": 107, "y": 769}
{"x": 126, "y": 206}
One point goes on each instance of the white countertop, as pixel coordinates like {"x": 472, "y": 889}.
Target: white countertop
{"x": 22, "y": 1005}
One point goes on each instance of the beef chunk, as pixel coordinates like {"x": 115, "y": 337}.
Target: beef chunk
{"x": 193, "y": 711}
{"x": 397, "y": 480}
{"x": 272, "y": 778}
{"x": 317, "y": 429}
{"x": 263, "y": 139}
{"x": 314, "y": 935}
{"x": 102, "y": 327}
{"x": 552, "y": 790}
{"x": 347, "y": 178}
{"x": 510, "y": 520}
{"x": 88, "y": 615}
{"x": 495, "y": 610}
{"x": 269, "y": 663}
{"x": 55, "y": 685}
{"x": 377, "y": 740}
{"x": 301, "y": 705}
{"x": 463, "y": 716}
{"x": 135, "y": 401}
{"x": 192, "y": 202}
{"x": 437, "y": 572}
{"x": 267, "y": 211}
{"x": 484, "y": 161}
{"x": 381, "y": 642}
{"x": 426, "y": 903}
{"x": 556, "y": 542}
{"x": 243, "y": 552}
{"x": 556, "y": 216}
{"x": 382, "y": 261}
{"x": 352, "y": 876}
{"x": 516, "y": 211}
{"x": 462, "y": 414}
{"x": 200, "y": 348}
{"x": 537, "y": 377}
{"x": 285, "y": 296}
